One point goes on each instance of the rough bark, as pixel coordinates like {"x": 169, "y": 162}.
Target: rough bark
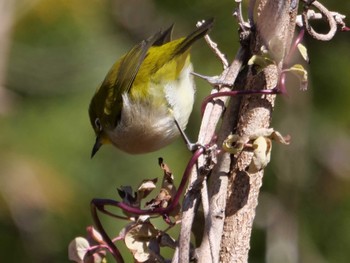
{"x": 274, "y": 19}
{"x": 232, "y": 191}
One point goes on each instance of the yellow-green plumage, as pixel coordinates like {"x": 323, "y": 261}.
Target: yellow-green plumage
{"x": 144, "y": 92}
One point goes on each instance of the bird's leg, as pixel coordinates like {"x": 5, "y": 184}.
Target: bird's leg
{"x": 191, "y": 146}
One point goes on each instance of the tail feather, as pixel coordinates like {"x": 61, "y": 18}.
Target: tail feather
{"x": 194, "y": 36}
{"x": 165, "y": 36}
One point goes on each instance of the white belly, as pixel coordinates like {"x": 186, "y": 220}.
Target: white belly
{"x": 146, "y": 125}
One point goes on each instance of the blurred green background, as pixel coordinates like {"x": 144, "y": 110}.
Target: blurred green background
{"x": 53, "y": 55}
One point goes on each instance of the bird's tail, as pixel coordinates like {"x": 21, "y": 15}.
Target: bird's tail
{"x": 200, "y": 32}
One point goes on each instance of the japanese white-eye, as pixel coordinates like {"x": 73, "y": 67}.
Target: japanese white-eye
{"x": 145, "y": 92}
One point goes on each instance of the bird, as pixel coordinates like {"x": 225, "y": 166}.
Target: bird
{"x": 146, "y": 98}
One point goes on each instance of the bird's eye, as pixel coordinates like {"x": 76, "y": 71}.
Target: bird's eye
{"x": 98, "y": 124}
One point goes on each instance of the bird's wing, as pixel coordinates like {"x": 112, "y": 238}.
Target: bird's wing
{"x": 126, "y": 75}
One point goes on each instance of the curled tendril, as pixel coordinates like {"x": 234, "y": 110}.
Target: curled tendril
{"x": 329, "y": 17}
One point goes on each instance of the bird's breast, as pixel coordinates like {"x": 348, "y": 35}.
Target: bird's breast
{"x": 148, "y": 124}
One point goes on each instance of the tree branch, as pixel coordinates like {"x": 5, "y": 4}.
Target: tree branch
{"x": 275, "y": 19}
{"x": 233, "y": 192}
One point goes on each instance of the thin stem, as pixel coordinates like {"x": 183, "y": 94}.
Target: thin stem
{"x": 234, "y": 93}
{"x": 185, "y": 177}
{"x": 114, "y": 250}
{"x": 101, "y": 203}
{"x": 293, "y": 48}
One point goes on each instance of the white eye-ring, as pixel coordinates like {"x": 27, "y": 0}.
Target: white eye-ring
{"x": 98, "y": 124}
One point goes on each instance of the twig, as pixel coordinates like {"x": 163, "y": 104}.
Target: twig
{"x": 312, "y": 15}
{"x": 217, "y": 193}
{"x": 217, "y": 52}
{"x": 244, "y": 26}
{"x": 211, "y": 117}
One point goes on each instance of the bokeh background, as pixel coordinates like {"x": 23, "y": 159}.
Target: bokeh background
{"x": 53, "y": 55}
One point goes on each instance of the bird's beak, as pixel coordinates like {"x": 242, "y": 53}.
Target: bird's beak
{"x": 97, "y": 145}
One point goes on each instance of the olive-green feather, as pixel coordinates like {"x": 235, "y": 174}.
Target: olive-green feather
{"x": 164, "y": 37}
{"x": 194, "y": 36}
{"x": 132, "y": 73}
{"x": 167, "y": 61}
{"x": 118, "y": 81}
